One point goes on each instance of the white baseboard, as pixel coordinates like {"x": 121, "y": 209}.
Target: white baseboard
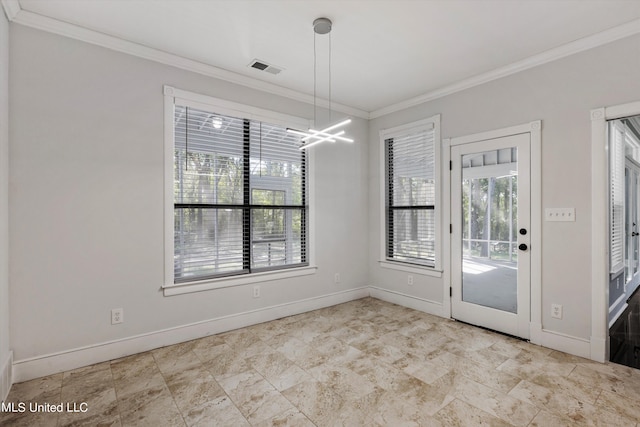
{"x": 26, "y": 369}
{"x": 599, "y": 351}
{"x": 561, "y": 342}
{"x": 6, "y": 377}
{"x": 417, "y": 303}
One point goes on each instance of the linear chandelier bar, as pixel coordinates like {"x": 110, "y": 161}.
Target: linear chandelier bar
{"x": 313, "y": 137}
{"x": 336, "y": 136}
{"x": 332, "y": 127}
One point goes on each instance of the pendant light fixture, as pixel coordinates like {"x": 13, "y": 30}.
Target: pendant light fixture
{"x": 331, "y": 133}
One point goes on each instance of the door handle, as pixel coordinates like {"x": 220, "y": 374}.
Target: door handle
{"x": 633, "y": 234}
{"x": 522, "y": 247}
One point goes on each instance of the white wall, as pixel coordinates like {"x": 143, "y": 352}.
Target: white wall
{"x": 4, "y": 203}
{"x": 87, "y": 199}
{"x": 561, "y": 94}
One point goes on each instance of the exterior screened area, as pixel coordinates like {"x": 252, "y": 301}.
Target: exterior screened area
{"x": 239, "y": 190}
{"x": 490, "y": 205}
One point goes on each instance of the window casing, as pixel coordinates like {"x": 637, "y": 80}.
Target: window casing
{"x": 412, "y": 193}
{"x": 239, "y": 193}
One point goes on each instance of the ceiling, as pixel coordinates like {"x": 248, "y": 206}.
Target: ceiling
{"x": 384, "y": 53}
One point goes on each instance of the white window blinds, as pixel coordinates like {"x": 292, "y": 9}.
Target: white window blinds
{"x": 616, "y": 202}
{"x": 411, "y": 196}
{"x": 239, "y": 196}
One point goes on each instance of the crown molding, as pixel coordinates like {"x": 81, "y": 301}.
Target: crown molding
{"x": 11, "y": 8}
{"x": 55, "y": 26}
{"x": 616, "y": 33}
{"x": 15, "y": 14}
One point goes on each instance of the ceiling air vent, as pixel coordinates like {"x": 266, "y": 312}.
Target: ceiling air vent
{"x": 263, "y": 66}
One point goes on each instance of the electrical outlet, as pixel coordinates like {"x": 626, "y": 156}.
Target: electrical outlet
{"x": 256, "y": 291}
{"x": 336, "y": 278}
{"x": 556, "y": 311}
{"x": 117, "y": 316}
{"x": 410, "y": 280}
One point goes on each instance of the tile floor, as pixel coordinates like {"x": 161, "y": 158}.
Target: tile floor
{"x": 363, "y": 363}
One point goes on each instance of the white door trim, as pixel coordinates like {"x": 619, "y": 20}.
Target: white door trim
{"x": 599, "y": 225}
{"x": 534, "y": 128}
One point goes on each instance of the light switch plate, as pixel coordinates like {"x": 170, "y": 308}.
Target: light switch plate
{"x": 560, "y": 214}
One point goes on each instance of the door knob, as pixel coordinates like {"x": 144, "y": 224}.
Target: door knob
{"x": 522, "y": 247}
{"x": 523, "y": 231}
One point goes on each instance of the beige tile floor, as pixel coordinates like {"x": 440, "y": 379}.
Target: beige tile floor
{"x": 363, "y": 363}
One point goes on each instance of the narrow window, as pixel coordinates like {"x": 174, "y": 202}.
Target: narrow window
{"x": 411, "y": 194}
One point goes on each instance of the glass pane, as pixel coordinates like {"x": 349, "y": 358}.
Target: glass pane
{"x": 207, "y": 178}
{"x": 277, "y": 237}
{"x": 267, "y": 197}
{"x": 489, "y": 224}
{"x": 208, "y": 158}
{"x": 413, "y": 191}
{"x": 412, "y": 164}
{"x": 207, "y": 242}
{"x": 413, "y": 235}
{"x": 276, "y": 162}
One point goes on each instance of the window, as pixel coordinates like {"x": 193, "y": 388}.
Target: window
{"x": 412, "y": 193}
{"x": 616, "y": 203}
{"x": 239, "y": 194}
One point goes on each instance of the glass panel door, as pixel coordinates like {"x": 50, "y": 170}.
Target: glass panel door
{"x": 490, "y": 214}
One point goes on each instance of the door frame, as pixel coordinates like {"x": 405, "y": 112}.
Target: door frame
{"x": 599, "y": 340}
{"x": 534, "y": 129}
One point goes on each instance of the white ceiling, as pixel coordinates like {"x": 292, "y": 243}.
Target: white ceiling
{"x": 384, "y": 52}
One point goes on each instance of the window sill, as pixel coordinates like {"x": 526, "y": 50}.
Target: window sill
{"x": 227, "y": 282}
{"x": 425, "y": 271}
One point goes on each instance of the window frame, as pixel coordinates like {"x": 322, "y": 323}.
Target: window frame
{"x": 431, "y": 123}
{"x": 173, "y": 96}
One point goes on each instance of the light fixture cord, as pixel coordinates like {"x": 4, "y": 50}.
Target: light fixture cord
{"x": 315, "y": 80}
{"x": 260, "y": 163}
{"x": 330, "y": 111}
{"x": 186, "y": 140}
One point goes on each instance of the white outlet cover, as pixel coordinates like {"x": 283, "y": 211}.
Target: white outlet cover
{"x": 117, "y": 316}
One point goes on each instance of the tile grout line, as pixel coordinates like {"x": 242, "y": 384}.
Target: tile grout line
{"x": 164, "y": 380}
{"x": 115, "y": 391}
{"x": 58, "y": 420}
